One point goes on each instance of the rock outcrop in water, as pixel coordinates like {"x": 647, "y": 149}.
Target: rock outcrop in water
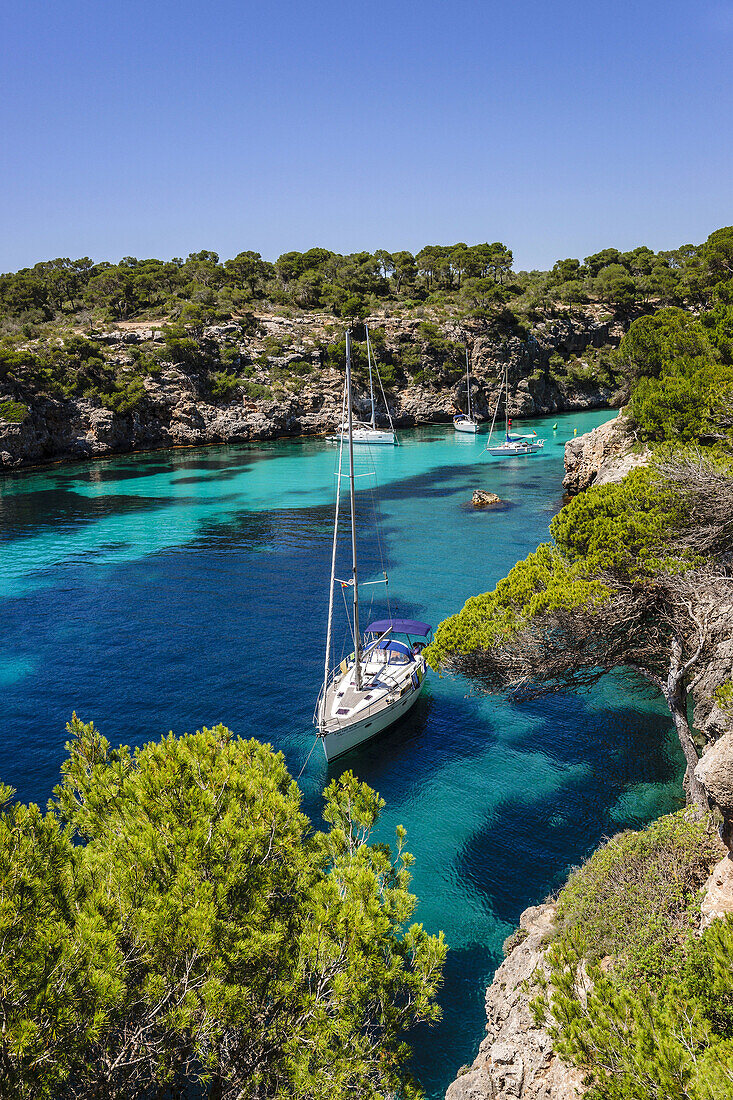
{"x": 545, "y": 375}
{"x": 483, "y": 499}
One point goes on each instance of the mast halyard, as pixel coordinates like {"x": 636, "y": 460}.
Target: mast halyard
{"x": 506, "y": 401}
{"x": 371, "y": 381}
{"x": 329, "y": 628}
{"x": 352, "y": 499}
{"x": 468, "y": 386}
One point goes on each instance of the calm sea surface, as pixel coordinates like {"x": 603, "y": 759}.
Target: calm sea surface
{"x": 186, "y": 588}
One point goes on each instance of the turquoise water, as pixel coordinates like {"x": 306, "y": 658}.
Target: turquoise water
{"x": 185, "y": 588}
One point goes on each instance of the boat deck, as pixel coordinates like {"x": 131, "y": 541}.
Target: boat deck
{"x": 381, "y": 685}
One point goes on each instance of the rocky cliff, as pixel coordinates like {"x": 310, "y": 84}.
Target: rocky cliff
{"x": 545, "y": 371}
{"x": 605, "y": 455}
{"x": 516, "y": 1060}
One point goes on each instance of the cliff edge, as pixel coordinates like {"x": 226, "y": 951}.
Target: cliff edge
{"x": 605, "y": 455}
{"x": 286, "y": 379}
{"x": 516, "y": 1060}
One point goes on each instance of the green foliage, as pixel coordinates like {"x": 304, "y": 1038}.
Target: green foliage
{"x": 653, "y": 342}
{"x": 622, "y": 527}
{"x": 202, "y": 289}
{"x": 723, "y": 696}
{"x": 126, "y": 396}
{"x": 632, "y": 899}
{"x": 223, "y": 385}
{"x": 432, "y": 359}
{"x": 13, "y": 411}
{"x": 256, "y": 391}
{"x": 681, "y": 373}
{"x": 657, "y": 1020}
{"x": 686, "y": 402}
{"x": 544, "y": 581}
{"x": 174, "y": 920}
{"x": 615, "y": 285}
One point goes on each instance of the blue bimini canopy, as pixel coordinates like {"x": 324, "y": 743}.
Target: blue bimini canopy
{"x": 393, "y": 646}
{"x": 399, "y": 626}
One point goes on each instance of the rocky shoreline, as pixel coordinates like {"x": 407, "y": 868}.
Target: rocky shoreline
{"x": 516, "y": 1060}
{"x": 177, "y": 412}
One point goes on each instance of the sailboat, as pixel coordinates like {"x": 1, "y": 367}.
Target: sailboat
{"x": 369, "y": 432}
{"x": 381, "y": 680}
{"x": 512, "y": 445}
{"x": 464, "y": 422}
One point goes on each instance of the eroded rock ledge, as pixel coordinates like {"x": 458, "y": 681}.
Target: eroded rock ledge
{"x": 516, "y": 1060}
{"x": 605, "y": 455}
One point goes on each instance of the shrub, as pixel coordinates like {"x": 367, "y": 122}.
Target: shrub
{"x": 13, "y": 411}
{"x": 632, "y": 899}
{"x": 175, "y": 925}
{"x": 656, "y": 1021}
{"x": 255, "y": 391}
{"x": 222, "y": 385}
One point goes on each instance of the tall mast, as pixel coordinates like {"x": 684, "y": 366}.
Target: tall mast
{"x": 327, "y": 668}
{"x": 506, "y": 401}
{"x": 468, "y": 386}
{"x": 371, "y": 382}
{"x": 352, "y": 498}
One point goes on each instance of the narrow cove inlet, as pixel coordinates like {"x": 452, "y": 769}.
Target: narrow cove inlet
{"x": 179, "y": 589}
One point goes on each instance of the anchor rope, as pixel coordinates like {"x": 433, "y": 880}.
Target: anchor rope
{"x": 308, "y": 757}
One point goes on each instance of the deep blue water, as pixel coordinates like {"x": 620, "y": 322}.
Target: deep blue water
{"x": 185, "y": 588}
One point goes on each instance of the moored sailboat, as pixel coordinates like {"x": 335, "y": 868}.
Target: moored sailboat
{"x": 465, "y": 422}
{"x": 382, "y": 679}
{"x": 369, "y": 432}
{"x": 512, "y": 445}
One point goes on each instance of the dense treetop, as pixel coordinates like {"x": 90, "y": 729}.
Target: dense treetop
{"x": 174, "y": 922}
{"x": 478, "y": 277}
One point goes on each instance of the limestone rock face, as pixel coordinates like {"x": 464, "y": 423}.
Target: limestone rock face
{"x": 709, "y": 717}
{"x": 715, "y": 772}
{"x": 177, "y": 411}
{"x": 601, "y": 456}
{"x": 717, "y": 899}
{"x": 516, "y": 1060}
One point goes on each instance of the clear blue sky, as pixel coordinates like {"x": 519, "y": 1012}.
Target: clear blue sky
{"x": 556, "y": 126}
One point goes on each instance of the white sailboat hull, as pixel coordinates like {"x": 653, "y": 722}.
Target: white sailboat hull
{"x": 390, "y": 683}
{"x": 367, "y": 435}
{"x": 466, "y": 426}
{"x": 373, "y": 435}
{"x": 382, "y": 679}
{"x": 512, "y": 450}
{"x": 343, "y": 740}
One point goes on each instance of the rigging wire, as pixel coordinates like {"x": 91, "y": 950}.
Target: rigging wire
{"x": 381, "y": 387}
{"x": 348, "y": 617}
{"x": 363, "y": 458}
{"x": 378, "y": 530}
{"x": 496, "y": 409}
